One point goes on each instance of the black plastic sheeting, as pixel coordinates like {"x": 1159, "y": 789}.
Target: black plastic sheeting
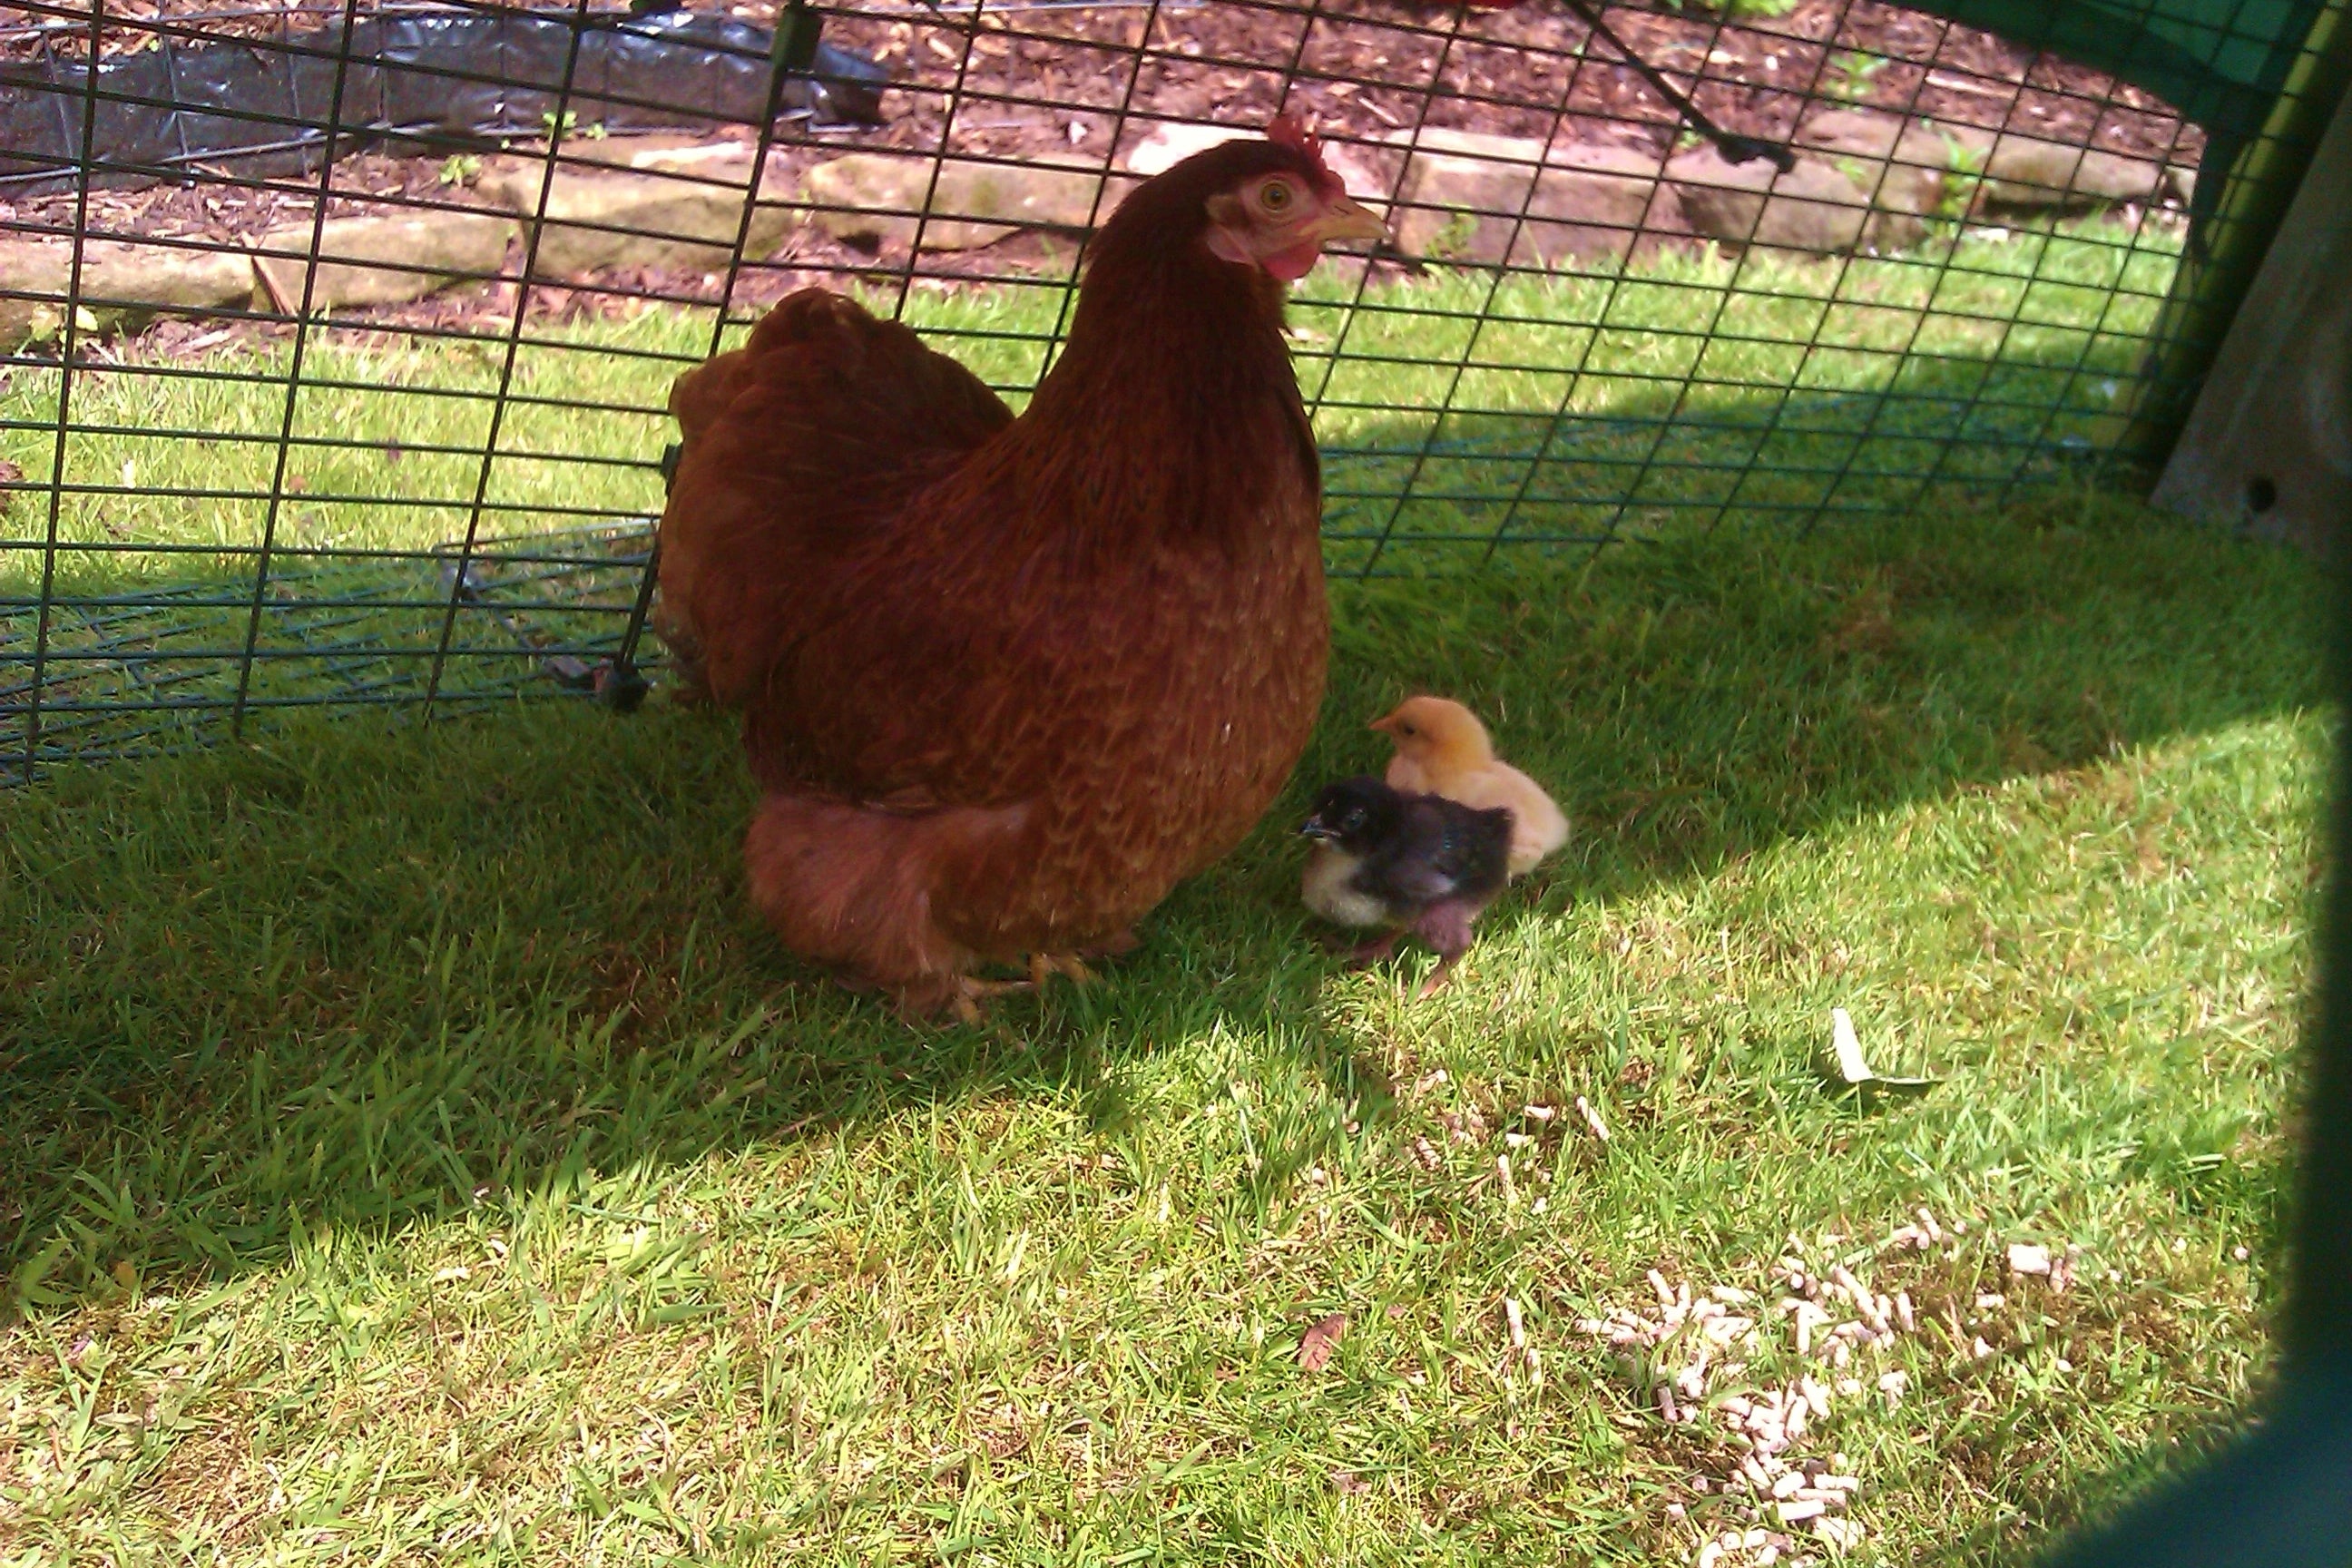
{"x": 437, "y": 75}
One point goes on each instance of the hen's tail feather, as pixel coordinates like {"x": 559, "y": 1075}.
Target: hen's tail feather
{"x": 702, "y": 395}
{"x": 854, "y": 888}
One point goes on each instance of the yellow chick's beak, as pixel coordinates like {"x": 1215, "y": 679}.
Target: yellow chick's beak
{"x": 1346, "y": 219}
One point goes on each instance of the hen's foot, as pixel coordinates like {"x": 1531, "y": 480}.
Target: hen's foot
{"x": 1069, "y": 965}
{"x": 960, "y": 997}
{"x": 970, "y": 992}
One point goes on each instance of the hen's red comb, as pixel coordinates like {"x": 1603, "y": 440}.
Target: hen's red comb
{"x": 1288, "y": 130}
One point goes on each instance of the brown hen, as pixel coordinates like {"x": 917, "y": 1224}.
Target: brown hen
{"x": 1006, "y": 680}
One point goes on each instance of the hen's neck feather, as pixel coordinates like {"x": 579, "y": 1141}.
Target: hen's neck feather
{"x": 1174, "y": 408}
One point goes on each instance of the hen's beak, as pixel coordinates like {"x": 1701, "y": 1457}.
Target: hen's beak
{"x": 1346, "y": 219}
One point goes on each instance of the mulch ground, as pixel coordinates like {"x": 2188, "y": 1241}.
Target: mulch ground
{"x": 1067, "y": 82}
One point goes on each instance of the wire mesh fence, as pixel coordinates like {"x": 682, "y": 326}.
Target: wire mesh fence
{"x": 338, "y": 334}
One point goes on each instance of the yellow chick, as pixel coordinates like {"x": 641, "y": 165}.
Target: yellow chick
{"x": 1442, "y": 749}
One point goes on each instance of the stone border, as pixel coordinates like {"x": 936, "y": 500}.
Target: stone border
{"x": 1865, "y": 180}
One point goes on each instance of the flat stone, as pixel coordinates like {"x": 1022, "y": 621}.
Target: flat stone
{"x": 1483, "y": 145}
{"x": 121, "y": 281}
{"x": 1170, "y": 144}
{"x": 386, "y": 260}
{"x": 162, "y": 278}
{"x": 1900, "y": 165}
{"x": 2027, "y": 172}
{"x": 1816, "y": 207}
{"x": 872, "y": 197}
{"x": 677, "y": 153}
{"x": 31, "y": 267}
{"x": 688, "y": 219}
{"x": 1464, "y": 193}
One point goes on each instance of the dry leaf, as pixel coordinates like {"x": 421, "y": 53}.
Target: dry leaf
{"x": 1854, "y": 1070}
{"x": 1314, "y": 1349}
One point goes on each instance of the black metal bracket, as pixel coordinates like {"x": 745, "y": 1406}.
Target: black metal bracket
{"x": 612, "y": 680}
{"x": 1735, "y": 147}
{"x": 798, "y": 31}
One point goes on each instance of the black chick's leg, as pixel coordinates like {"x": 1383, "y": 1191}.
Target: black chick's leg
{"x": 1372, "y": 950}
{"x": 1447, "y": 928}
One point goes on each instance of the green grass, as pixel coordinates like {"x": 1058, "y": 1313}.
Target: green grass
{"x": 411, "y": 1148}
{"x": 1693, "y": 386}
{"x": 1462, "y": 417}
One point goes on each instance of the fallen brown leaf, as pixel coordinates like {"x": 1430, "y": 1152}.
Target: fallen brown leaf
{"x": 1314, "y": 1349}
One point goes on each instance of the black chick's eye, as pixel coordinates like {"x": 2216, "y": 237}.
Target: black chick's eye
{"x": 1276, "y": 196}
{"x": 1352, "y": 819}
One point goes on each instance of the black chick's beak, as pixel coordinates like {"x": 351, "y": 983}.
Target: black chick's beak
{"x": 1316, "y": 829}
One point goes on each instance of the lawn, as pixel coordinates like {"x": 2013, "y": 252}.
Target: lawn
{"x": 1683, "y": 386}
{"x": 412, "y": 1148}
{"x": 1465, "y": 418}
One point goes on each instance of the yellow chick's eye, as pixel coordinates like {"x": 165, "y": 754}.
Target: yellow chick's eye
{"x": 1276, "y": 196}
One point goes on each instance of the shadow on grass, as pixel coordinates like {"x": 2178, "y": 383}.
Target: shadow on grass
{"x": 357, "y": 973}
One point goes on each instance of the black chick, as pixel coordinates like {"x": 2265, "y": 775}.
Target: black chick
{"x": 1406, "y": 862}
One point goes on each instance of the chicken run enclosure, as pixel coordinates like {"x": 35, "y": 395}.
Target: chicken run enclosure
{"x": 338, "y": 333}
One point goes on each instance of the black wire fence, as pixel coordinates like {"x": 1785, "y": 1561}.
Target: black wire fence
{"x": 335, "y": 337}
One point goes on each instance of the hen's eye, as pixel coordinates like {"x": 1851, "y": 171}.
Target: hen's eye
{"x": 1276, "y": 196}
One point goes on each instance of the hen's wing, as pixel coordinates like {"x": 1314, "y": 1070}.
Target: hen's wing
{"x": 801, "y": 448}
